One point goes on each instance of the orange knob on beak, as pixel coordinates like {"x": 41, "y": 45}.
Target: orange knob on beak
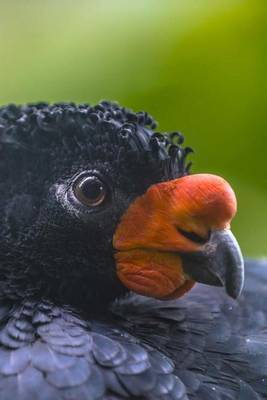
{"x": 177, "y": 233}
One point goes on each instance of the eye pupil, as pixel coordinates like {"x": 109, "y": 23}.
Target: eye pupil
{"x": 90, "y": 191}
{"x": 91, "y": 188}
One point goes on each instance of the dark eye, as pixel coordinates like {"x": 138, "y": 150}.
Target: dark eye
{"x": 90, "y": 191}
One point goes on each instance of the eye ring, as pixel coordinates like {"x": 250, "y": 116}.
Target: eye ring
{"x": 90, "y": 191}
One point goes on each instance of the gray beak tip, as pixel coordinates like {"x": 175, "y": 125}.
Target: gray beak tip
{"x": 218, "y": 263}
{"x": 234, "y": 284}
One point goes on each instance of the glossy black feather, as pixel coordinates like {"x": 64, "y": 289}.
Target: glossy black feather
{"x": 68, "y": 358}
{"x": 205, "y": 345}
{"x": 218, "y": 345}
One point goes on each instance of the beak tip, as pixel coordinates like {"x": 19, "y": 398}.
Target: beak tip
{"x": 234, "y": 292}
{"x": 235, "y": 285}
{"x": 220, "y": 263}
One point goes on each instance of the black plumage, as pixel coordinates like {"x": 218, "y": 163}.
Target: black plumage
{"x": 68, "y": 327}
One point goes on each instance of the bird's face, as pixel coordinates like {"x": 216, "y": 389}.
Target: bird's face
{"x": 93, "y": 204}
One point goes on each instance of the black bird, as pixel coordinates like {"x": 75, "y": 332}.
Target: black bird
{"x": 95, "y": 205}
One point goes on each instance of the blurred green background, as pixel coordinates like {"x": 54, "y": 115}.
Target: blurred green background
{"x": 198, "y": 66}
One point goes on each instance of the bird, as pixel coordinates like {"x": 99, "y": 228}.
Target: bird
{"x": 119, "y": 275}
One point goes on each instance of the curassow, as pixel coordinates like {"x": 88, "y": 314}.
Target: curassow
{"x": 96, "y": 210}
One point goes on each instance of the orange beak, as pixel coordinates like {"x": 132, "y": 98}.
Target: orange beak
{"x": 177, "y": 233}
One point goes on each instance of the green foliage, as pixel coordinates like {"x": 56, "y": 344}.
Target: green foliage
{"x": 197, "y": 66}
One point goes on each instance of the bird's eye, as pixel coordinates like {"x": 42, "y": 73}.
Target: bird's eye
{"x": 90, "y": 191}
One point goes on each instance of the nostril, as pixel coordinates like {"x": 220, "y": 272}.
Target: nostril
{"x": 194, "y": 237}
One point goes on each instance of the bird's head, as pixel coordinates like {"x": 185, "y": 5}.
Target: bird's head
{"x": 94, "y": 202}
